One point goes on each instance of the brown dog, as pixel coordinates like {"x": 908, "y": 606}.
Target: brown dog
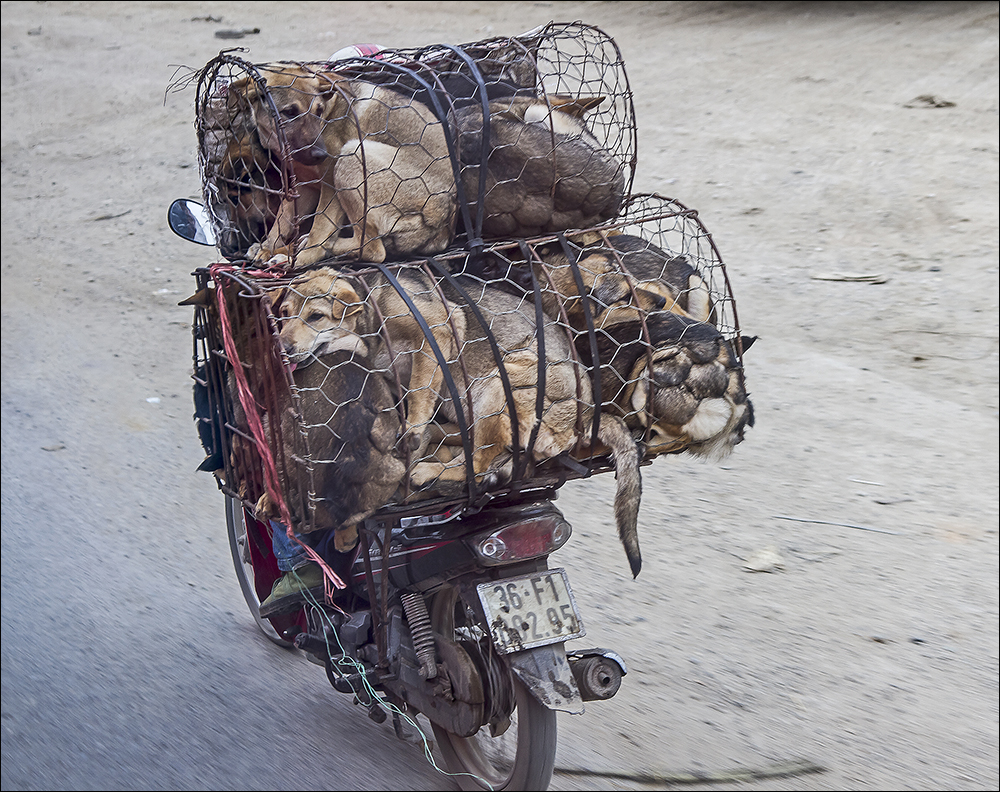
{"x": 683, "y": 288}
{"x": 545, "y": 171}
{"x": 341, "y": 456}
{"x": 323, "y": 311}
{"x": 251, "y": 186}
{"x": 379, "y": 160}
{"x": 624, "y": 278}
{"x": 245, "y": 183}
{"x": 565, "y": 422}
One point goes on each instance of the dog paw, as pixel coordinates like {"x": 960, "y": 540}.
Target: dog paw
{"x": 264, "y": 509}
{"x": 412, "y": 439}
{"x": 345, "y": 539}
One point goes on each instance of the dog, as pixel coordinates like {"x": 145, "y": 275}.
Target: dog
{"x": 250, "y": 188}
{"x": 680, "y": 389}
{"x": 323, "y": 311}
{"x": 243, "y": 177}
{"x": 545, "y": 171}
{"x": 340, "y": 455}
{"x": 562, "y": 425}
{"x": 380, "y": 162}
{"x": 624, "y": 278}
{"x": 683, "y": 288}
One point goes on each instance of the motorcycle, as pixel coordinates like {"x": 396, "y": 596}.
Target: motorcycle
{"x": 448, "y": 611}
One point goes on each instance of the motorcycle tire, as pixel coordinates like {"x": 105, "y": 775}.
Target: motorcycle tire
{"x": 239, "y": 546}
{"x": 523, "y": 756}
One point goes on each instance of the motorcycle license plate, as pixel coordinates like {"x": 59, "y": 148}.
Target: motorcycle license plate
{"x": 531, "y": 610}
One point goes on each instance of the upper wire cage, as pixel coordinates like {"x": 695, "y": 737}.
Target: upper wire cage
{"x": 415, "y": 151}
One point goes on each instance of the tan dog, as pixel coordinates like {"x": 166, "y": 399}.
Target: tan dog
{"x": 566, "y": 421}
{"x": 625, "y": 278}
{"x": 323, "y": 311}
{"x": 546, "y": 172}
{"x": 379, "y": 160}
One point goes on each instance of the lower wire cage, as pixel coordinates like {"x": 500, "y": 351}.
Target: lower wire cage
{"x": 454, "y": 381}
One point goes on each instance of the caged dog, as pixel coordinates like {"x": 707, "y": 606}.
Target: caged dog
{"x": 545, "y": 171}
{"x": 323, "y": 310}
{"x": 339, "y": 446}
{"x": 244, "y": 184}
{"x": 376, "y": 161}
{"x": 624, "y": 277}
{"x": 561, "y": 426}
{"x": 683, "y": 389}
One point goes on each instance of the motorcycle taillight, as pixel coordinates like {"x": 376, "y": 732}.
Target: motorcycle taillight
{"x": 525, "y": 539}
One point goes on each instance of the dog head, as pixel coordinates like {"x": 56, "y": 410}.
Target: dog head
{"x": 303, "y": 102}
{"x": 249, "y": 193}
{"x": 323, "y": 312}
{"x": 684, "y": 290}
{"x": 689, "y": 395}
{"x": 614, "y": 297}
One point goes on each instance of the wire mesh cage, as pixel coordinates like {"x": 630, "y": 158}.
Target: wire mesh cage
{"x": 467, "y": 378}
{"x": 415, "y": 151}
{"x": 440, "y": 292}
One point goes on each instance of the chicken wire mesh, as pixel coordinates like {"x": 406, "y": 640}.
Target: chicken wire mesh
{"x": 467, "y": 378}
{"x": 439, "y": 291}
{"x": 415, "y": 151}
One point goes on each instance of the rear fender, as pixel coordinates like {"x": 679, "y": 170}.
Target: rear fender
{"x": 545, "y": 671}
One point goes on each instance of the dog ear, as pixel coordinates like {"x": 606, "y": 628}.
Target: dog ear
{"x": 650, "y": 300}
{"x": 575, "y": 106}
{"x": 346, "y": 302}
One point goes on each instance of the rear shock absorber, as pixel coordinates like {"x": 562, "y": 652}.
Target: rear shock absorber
{"x": 420, "y": 631}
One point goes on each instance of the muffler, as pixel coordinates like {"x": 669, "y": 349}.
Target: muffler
{"x": 598, "y": 673}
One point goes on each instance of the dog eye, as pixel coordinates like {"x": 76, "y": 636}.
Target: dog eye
{"x": 315, "y": 316}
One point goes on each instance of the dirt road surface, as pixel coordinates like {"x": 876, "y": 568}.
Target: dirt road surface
{"x": 845, "y": 158}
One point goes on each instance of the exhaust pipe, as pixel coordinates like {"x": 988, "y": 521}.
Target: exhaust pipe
{"x": 598, "y": 673}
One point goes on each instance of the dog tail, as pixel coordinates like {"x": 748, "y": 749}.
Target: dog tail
{"x": 625, "y": 457}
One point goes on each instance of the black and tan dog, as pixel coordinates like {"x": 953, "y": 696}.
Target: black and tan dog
{"x": 379, "y": 161}
{"x": 675, "y": 382}
{"x": 341, "y": 445}
{"x": 338, "y": 448}
{"x": 245, "y": 181}
{"x": 624, "y": 277}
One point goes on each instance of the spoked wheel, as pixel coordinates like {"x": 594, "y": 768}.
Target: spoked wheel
{"x": 523, "y": 755}
{"x": 239, "y": 544}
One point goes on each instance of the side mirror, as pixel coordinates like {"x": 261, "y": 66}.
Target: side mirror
{"x": 189, "y": 220}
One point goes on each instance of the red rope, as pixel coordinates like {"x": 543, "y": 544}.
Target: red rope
{"x": 331, "y": 579}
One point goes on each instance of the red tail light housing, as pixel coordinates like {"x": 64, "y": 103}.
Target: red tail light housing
{"x": 532, "y": 537}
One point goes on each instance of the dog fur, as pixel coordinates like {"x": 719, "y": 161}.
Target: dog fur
{"x": 322, "y": 311}
{"x": 385, "y": 183}
{"x": 545, "y": 171}
{"x": 682, "y": 390}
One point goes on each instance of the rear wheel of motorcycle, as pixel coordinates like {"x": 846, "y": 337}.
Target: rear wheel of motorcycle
{"x": 523, "y": 756}
{"x": 242, "y": 560}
